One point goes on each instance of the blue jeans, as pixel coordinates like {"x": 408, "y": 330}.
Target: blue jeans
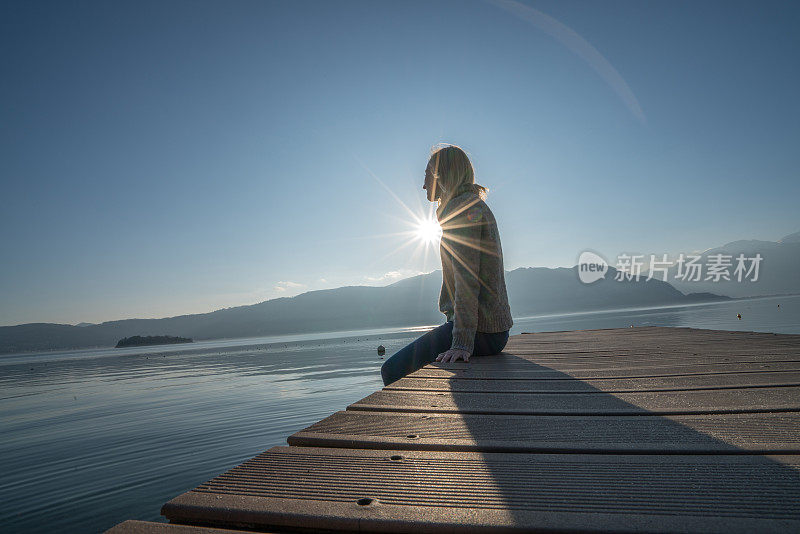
{"x": 424, "y": 350}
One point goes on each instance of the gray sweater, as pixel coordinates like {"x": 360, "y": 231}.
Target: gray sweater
{"x": 473, "y": 293}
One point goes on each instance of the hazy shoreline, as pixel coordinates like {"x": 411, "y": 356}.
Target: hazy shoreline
{"x": 202, "y": 344}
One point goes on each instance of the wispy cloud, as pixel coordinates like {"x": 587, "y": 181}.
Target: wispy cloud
{"x": 286, "y": 285}
{"x": 392, "y": 276}
{"x": 579, "y": 46}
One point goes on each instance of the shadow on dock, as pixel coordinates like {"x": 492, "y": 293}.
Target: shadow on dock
{"x": 593, "y": 458}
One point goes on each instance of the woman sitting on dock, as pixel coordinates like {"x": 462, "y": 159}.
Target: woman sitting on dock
{"x": 473, "y": 295}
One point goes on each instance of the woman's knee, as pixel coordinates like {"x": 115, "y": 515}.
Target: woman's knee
{"x": 490, "y": 344}
{"x": 389, "y": 371}
{"x": 385, "y": 373}
{"x": 501, "y": 342}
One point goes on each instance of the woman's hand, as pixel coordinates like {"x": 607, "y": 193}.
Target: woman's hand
{"x": 453, "y": 355}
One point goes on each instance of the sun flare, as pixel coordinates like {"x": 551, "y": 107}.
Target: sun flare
{"x": 428, "y": 230}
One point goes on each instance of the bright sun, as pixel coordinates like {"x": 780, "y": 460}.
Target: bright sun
{"x": 428, "y": 231}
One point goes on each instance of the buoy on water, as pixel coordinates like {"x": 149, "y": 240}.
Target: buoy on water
{"x": 381, "y": 350}
{"x": 739, "y": 316}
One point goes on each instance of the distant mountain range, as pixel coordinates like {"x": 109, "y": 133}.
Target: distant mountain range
{"x": 412, "y": 301}
{"x": 779, "y": 270}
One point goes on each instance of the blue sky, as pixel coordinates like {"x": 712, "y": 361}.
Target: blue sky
{"x": 161, "y": 158}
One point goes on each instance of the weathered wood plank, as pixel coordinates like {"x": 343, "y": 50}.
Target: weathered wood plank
{"x": 598, "y": 403}
{"x": 614, "y": 358}
{"x": 146, "y": 527}
{"x": 654, "y": 334}
{"x": 532, "y": 372}
{"x": 718, "y": 433}
{"x": 651, "y": 338}
{"x": 571, "y": 385}
{"x": 631, "y": 356}
{"x": 610, "y": 361}
{"x": 425, "y": 491}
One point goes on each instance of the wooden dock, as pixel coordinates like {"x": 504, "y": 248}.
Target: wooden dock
{"x": 635, "y": 429}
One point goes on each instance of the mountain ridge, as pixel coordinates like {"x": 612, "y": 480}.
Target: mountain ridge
{"x": 407, "y": 302}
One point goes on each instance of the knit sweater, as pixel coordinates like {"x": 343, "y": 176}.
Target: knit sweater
{"x": 473, "y": 293}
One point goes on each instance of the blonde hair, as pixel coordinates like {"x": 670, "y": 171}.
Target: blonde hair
{"x": 453, "y": 172}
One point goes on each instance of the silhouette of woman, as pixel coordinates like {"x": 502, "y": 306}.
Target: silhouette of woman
{"x": 473, "y": 296}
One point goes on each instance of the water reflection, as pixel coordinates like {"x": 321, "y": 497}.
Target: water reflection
{"x": 88, "y": 442}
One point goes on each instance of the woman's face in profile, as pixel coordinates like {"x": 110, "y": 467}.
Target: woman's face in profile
{"x": 430, "y": 185}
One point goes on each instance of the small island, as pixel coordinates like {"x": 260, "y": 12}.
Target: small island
{"x": 136, "y": 341}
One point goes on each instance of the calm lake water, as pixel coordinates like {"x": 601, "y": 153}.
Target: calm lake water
{"x": 91, "y": 438}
